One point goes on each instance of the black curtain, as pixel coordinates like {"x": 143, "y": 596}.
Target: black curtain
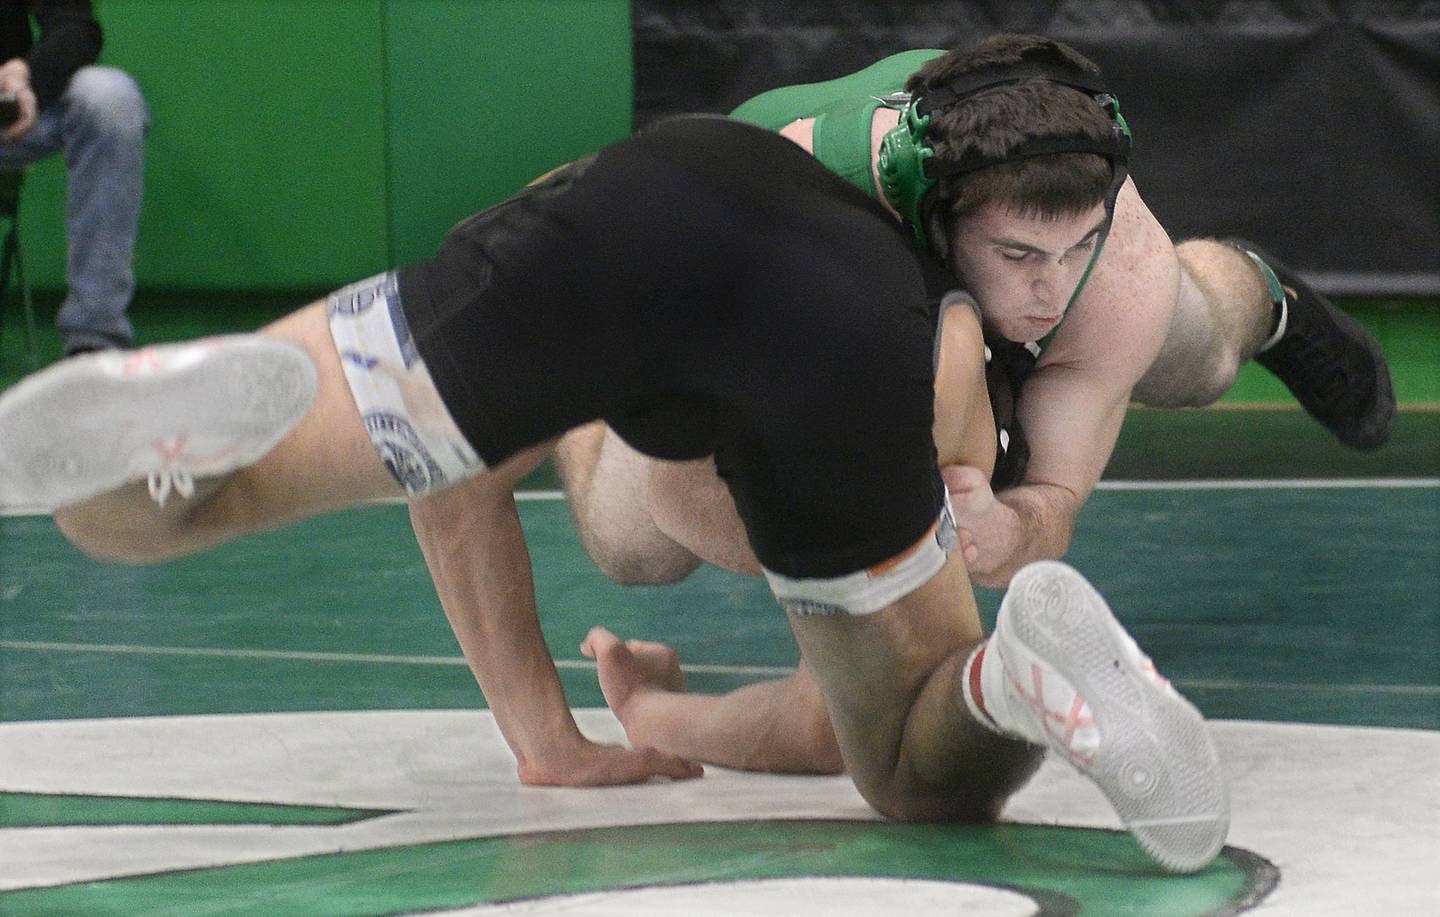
{"x": 1311, "y": 127}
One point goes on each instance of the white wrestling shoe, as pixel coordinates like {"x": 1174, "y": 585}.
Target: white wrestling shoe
{"x": 1079, "y": 685}
{"x": 169, "y": 414}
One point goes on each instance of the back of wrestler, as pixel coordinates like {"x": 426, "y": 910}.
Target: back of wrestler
{"x": 759, "y": 309}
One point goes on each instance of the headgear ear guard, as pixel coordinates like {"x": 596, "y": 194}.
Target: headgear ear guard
{"x": 909, "y": 170}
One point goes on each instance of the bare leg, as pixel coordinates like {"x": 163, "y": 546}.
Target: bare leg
{"x": 607, "y": 484}
{"x": 1223, "y": 317}
{"x": 778, "y": 726}
{"x": 628, "y": 666}
{"x": 690, "y": 504}
{"x": 892, "y": 681}
{"x": 326, "y": 462}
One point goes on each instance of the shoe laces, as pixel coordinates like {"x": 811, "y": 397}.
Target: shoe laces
{"x": 162, "y": 482}
{"x": 171, "y": 476}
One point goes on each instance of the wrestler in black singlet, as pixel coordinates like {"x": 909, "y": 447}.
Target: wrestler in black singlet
{"x": 705, "y": 288}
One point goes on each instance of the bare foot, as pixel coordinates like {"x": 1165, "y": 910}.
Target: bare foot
{"x": 630, "y": 667}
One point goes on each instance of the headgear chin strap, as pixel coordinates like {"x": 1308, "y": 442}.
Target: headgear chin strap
{"x": 909, "y": 169}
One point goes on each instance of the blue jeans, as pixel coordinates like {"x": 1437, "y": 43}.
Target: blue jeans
{"x": 99, "y": 124}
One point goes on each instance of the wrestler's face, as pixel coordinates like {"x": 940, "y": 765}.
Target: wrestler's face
{"x": 1022, "y": 270}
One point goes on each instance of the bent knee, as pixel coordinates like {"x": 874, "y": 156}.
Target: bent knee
{"x": 827, "y": 758}
{"x": 1193, "y": 381}
{"x": 110, "y": 98}
{"x": 96, "y": 537}
{"x": 962, "y": 806}
{"x": 1198, "y": 361}
{"x": 1215, "y": 378}
{"x": 630, "y": 568}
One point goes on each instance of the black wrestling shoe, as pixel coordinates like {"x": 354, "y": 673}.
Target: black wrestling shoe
{"x": 1332, "y": 365}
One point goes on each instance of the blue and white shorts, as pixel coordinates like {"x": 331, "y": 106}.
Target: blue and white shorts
{"x": 402, "y": 410}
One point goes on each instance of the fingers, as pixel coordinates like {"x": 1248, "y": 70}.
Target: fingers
{"x": 611, "y": 765}
{"x": 650, "y": 647}
{"x": 26, "y": 119}
{"x": 597, "y": 641}
{"x": 968, "y": 548}
{"x": 646, "y": 765}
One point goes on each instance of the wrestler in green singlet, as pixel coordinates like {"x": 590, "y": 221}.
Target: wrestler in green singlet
{"x": 843, "y": 109}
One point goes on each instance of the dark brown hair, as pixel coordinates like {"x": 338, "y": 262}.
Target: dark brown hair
{"x": 996, "y": 121}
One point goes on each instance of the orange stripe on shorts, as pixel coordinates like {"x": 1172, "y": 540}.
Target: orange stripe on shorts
{"x": 885, "y": 566}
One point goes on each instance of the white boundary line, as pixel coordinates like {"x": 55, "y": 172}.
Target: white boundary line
{"x": 1202, "y": 484}
{"x": 539, "y": 495}
{"x": 1205, "y": 684}
{"x": 47, "y": 646}
{"x": 1212, "y": 484}
{"x": 1277, "y": 484}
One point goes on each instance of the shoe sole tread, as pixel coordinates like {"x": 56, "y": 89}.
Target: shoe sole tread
{"x": 248, "y": 390}
{"x": 1155, "y": 763}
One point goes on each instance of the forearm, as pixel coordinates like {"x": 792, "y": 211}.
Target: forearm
{"x": 481, "y": 569}
{"x": 778, "y": 726}
{"x": 1071, "y": 411}
{"x": 1040, "y": 519}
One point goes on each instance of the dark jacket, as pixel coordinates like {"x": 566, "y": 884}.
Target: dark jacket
{"x": 69, "y": 39}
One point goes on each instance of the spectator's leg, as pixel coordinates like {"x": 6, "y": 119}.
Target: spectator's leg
{"x": 102, "y": 120}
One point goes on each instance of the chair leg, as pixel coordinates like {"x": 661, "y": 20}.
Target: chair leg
{"x": 7, "y": 252}
{"x": 29, "y": 305}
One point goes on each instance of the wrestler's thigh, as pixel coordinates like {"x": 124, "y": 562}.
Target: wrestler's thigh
{"x": 326, "y": 462}
{"x": 1181, "y": 375}
{"x": 607, "y": 484}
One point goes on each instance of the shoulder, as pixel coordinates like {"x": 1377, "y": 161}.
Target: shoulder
{"x": 1124, "y": 312}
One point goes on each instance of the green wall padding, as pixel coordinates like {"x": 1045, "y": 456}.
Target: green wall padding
{"x": 486, "y": 96}
{"x": 308, "y": 143}
{"x": 264, "y": 162}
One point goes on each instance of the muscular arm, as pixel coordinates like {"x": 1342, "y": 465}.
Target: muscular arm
{"x": 1074, "y": 404}
{"x": 474, "y": 546}
{"x": 1072, "y": 425}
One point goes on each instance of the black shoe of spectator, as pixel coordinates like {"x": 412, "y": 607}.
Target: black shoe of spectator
{"x": 1332, "y": 365}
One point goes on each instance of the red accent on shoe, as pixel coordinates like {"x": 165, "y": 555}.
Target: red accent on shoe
{"x": 1069, "y": 721}
{"x": 172, "y": 452}
{"x": 976, "y": 693}
{"x": 141, "y": 361}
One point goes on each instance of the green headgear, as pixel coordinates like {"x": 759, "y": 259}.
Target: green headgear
{"x": 909, "y": 169}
